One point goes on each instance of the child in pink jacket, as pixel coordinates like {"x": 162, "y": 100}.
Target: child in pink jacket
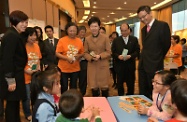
{"x": 162, "y": 106}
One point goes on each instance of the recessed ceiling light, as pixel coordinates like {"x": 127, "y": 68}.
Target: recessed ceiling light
{"x": 112, "y": 13}
{"x": 84, "y": 17}
{"x": 95, "y": 2}
{"x": 92, "y": 15}
{"x": 154, "y": 2}
{"x": 86, "y": 12}
{"x": 93, "y": 12}
{"x": 108, "y": 16}
{"x": 94, "y": 7}
{"x": 119, "y": 8}
{"x": 81, "y": 21}
{"x": 86, "y": 3}
{"x": 125, "y": 2}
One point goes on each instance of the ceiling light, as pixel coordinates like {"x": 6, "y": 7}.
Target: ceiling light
{"x": 121, "y": 19}
{"x": 81, "y": 21}
{"x": 160, "y": 4}
{"x": 125, "y": 2}
{"x": 84, "y": 17}
{"x": 112, "y": 13}
{"x": 95, "y": 2}
{"x": 86, "y": 12}
{"x": 133, "y": 15}
{"x": 110, "y": 22}
{"x": 92, "y": 15}
{"x": 86, "y": 3}
{"x": 154, "y": 2}
{"x": 94, "y": 7}
{"x": 93, "y": 12}
{"x": 119, "y": 8}
{"x": 130, "y": 13}
{"x": 108, "y": 16}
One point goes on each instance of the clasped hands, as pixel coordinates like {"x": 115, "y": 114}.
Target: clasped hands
{"x": 121, "y": 57}
{"x": 11, "y": 84}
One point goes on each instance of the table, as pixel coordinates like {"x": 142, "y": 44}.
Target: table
{"x": 124, "y": 116}
{"x": 105, "y": 109}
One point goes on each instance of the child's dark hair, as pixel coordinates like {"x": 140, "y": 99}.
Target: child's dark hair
{"x": 42, "y": 79}
{"x": 71, "y": 103}
{"x": 167, "y": 77}
{"x": 179, "y": 95}
{"x": 53, "y": 66}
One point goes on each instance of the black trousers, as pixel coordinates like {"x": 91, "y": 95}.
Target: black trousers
{"x": 83, "y": 76}
{"x": 125, "y": 74}
{"x": 12, "y": 111}
{"x": 64, "y": 81}
{"x": 114, "y": 75}
{"x": 145, "y": 83}
{"x": 83, "y": 81}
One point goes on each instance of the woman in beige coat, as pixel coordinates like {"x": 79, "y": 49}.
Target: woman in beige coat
{"x": 97, "y": 52}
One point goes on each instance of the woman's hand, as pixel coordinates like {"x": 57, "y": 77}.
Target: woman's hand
{"x": 70, "y": 60}
{"x": 96, "y": 58}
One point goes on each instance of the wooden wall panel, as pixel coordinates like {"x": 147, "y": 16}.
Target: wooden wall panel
{"x": 49, "y": 11}
{"x": 23, "y": 5}
{"x": 56, "y": 16}
{"x": 39, "y": 10}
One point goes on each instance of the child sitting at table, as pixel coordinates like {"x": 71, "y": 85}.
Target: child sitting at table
{"x": 179, "y": 100}
{"x": 71, "y": 104}
{"x": 162, "y": 107}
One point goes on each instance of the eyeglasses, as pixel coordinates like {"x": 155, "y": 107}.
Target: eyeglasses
{"x": 143, "y": 17}
{"x": 156, "y": 83}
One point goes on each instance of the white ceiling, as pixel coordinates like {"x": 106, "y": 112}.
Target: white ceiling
{"x": 105, "y": 7}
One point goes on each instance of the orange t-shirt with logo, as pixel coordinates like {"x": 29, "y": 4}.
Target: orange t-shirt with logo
{"x": 69, "y": 47}
{"x": 176, "y": 49}
{"x": 34, "y": 55}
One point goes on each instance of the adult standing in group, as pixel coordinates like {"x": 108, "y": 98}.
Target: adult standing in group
{"x": 50, "y": 44}
{"x": 97, "y": 53}
{"x": 156, "y": 38}
{"x": 125, "y": 63}
{"x": 13, "y": 59}
{"x": 69, "y": 51}
{"x": 42, "y": 46}
{"x": 83, "y": 63}
{"x": 112, "y": 60}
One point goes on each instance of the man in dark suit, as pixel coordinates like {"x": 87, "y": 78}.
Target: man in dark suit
{"x": 50, "y": 43}
{"x": 156, "y": 38}
{"x": 125, "y": 64}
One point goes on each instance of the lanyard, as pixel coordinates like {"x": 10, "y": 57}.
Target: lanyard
{"x": 159, "y": 107}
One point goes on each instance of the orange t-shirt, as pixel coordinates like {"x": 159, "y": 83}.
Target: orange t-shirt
{"x": 34, "y": 55}
{"x": 69, "y": 47}
{"x": 176, "y": 49}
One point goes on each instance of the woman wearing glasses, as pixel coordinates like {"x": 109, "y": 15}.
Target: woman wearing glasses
{"x": 162, "y": 107}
